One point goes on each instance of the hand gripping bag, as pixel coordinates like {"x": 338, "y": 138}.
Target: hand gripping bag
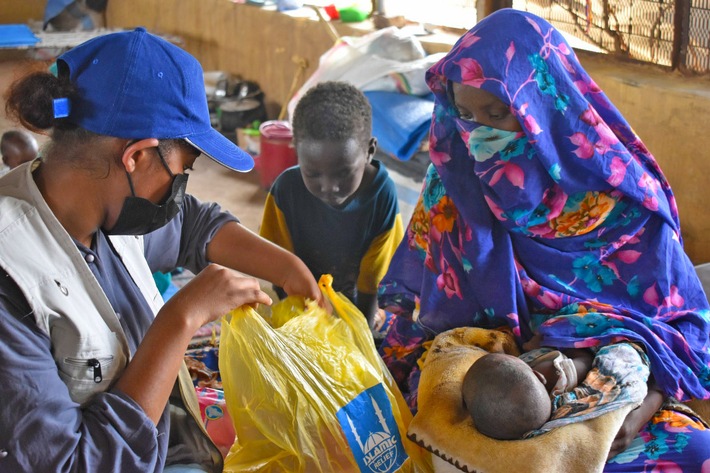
{"x": 312, "y": 395}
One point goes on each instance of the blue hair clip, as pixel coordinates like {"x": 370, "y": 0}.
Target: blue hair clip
{"x": 61, "y": 107}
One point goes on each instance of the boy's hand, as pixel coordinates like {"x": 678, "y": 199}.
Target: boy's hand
{"x": 378, "y": 320}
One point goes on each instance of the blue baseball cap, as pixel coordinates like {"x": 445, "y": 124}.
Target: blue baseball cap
{"x": 136, "y": 85}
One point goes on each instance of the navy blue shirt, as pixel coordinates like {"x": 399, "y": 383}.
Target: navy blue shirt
{"x": 354, "y": 243}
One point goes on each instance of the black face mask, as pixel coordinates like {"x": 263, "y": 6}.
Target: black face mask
{"x": 140, "y": 216}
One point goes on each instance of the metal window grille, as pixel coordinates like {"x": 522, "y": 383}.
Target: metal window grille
{"x": 671, "y": 34}
{"x": 695, "y": 39}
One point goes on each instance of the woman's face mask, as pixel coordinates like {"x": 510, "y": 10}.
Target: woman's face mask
{"x": 140, "y": 216}
{"x": 485, "y": 142}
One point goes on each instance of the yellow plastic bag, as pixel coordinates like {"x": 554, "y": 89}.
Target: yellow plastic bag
{"x": 312, "y": 395}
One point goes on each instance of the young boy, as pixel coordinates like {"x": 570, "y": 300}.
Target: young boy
{"x": 337, "y": 209}
{"x": 17, "y": 147}
{"x": 509, "y": 397}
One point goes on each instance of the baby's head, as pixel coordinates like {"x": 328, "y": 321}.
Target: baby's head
{"x": 332, "y": 132}
{"x": 505, "y": 397}
{"x": 17, "y": 147}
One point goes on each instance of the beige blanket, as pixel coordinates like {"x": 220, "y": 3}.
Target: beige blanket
{"x": 444, "y": 427}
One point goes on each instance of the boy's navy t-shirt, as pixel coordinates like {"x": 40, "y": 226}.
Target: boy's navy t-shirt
{"x": 354, "y": 244}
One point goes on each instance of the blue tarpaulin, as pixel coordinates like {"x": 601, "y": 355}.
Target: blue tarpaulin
{"x": 399, "y": 121}
{"x": 17, "y": 35}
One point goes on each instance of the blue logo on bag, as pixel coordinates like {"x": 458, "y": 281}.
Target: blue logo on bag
{"x": 369, "y": 417}
{"x": 214, "y": 412}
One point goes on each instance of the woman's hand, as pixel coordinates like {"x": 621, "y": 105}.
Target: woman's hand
{"x": 299, "y": 281}
{"x": 150, "y": 375}
{"x": 533, "y": 343}
{"x": 214, "y": 292}
{"x": 636, "y": 420}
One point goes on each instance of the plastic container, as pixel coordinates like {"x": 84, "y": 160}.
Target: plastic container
{"x": 276, "y": 151}
{"x": 352, "y": 14}
{"x": 249, "y": 140}
{"x": 332, "y": 12}
{"x": 239, "y": 113}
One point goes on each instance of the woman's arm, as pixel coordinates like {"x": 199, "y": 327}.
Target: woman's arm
{"x": 237, "y": 247}
{"x": 637, "y": 419}
{"x": 202, "y": 233}
{"x": 213, "y": 292}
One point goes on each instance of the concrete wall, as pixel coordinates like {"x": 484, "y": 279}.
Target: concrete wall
{"x": 670, "y": 112}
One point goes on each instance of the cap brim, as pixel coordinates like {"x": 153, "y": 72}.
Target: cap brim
{"x": 215, "y": 145}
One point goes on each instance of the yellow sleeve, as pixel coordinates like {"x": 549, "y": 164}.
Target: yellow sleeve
{"x": 377, "y": 259}
{"x": 273, "y": 225}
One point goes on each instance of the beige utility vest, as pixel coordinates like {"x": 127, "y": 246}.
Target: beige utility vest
{"x": 67, "y": 301}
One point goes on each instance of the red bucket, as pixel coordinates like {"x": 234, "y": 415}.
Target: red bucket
{"x": 276, "y": 151}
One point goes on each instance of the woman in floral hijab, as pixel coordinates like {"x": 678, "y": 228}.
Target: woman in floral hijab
{"x": 544, "y": 214}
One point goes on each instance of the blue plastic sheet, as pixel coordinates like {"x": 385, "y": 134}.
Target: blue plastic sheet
{"x": 399, "y": 121}
{"x": 17, "y": 35}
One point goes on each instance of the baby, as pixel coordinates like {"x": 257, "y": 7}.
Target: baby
{"x": 508, "y": 397}
{"x": 512, "y": 397}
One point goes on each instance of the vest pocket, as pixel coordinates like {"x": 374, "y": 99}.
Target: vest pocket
{"x": 86, "y": 376}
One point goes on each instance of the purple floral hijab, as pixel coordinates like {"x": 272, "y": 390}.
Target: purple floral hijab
{"x": 571, "y": 230}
